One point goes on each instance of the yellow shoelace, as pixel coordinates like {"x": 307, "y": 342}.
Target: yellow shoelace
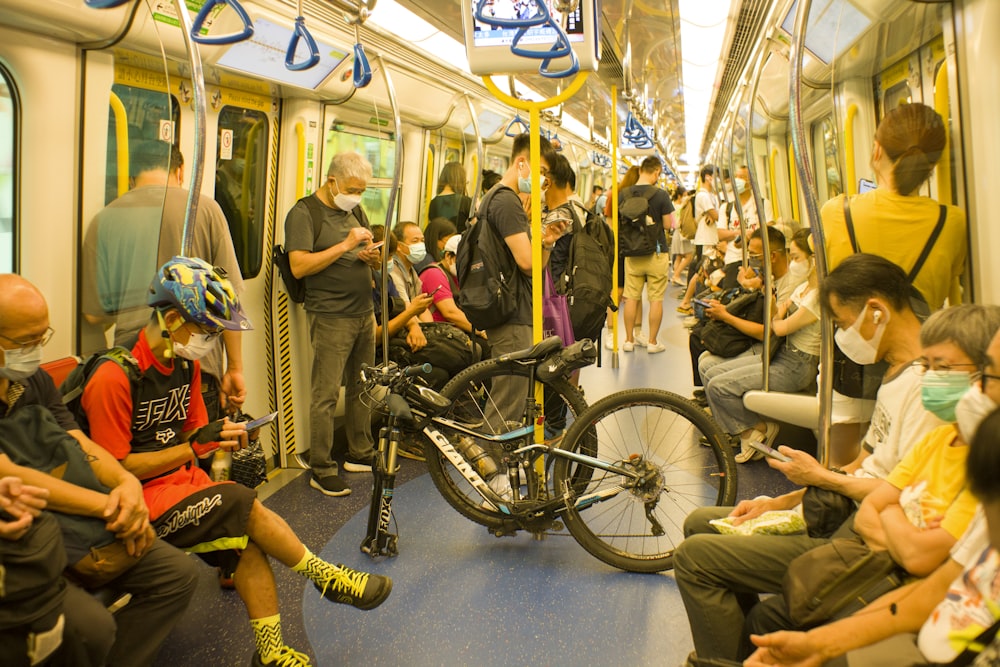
{"x": 347, "y": 580}
{"x": 289, "y": 657}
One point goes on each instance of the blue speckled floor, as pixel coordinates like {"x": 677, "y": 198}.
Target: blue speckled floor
{"x": 461, "y": 596}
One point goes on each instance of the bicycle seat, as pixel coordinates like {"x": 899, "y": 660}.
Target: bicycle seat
{"x": 539, "y": 351}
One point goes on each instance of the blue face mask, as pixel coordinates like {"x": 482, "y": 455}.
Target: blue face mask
{"x": 524, "y": 184}
{"x": 940, "y": 392}
{"x": 390, "y": 265}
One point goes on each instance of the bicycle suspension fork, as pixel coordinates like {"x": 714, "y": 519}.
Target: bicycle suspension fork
{"x": 378, "y": 540}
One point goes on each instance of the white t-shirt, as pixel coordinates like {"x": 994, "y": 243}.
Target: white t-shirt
{"x": 806, "y": 339}
{"x": 966, "y": 610}
{"x": 706, "y": 234}
{"x": 899, "y": 422}
{"x": 733, "y": 252}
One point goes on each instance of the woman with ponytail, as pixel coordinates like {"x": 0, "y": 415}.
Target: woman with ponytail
{"x": 896, "y": 222}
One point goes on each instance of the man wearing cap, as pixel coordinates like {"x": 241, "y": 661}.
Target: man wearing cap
{"x": 158, "y": 429}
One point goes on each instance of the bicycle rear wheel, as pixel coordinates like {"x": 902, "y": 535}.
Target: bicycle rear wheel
{"x": 684, "y": 460}
{"x": 473, "y": 405}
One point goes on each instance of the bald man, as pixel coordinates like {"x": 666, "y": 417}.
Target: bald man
{"x": 40, "y": 439}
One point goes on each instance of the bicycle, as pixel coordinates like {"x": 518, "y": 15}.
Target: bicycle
{"x": 622, "y": 477}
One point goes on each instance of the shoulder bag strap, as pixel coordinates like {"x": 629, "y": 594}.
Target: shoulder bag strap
{"x": 942, "y": 216}
{"x": 316, "y": 213}
{"x": 849, "y": 221}
{"x": 976, "y": 646}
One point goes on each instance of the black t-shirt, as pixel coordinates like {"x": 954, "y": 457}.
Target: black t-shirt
{"x": 39, "y": 389}
{"x": 508, "y": 218}
{"x": 659, "y": 206}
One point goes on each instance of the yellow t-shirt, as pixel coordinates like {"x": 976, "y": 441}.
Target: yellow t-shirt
{"x": 932, "y": 476}
{"x": 897, "y": 228}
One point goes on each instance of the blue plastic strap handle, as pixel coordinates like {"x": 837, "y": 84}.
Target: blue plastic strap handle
{"x": 362, "y": 70}
{"x": 104, "y": 4}
{"x": 574, "y": 65}
{"x": 202, "y": 16}
{"x": 301, "y": 32}
{"x": 521, "y": 125}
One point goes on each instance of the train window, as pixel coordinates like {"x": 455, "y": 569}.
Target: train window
{"x": 826, "y": 145}
{"x": 136, "y": 114}
{"x": 9, "y": 112}
{"x": 380, "y": 150}
{"x": 241, "y": 181}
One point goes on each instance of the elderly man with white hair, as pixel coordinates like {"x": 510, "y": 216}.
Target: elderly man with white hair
{"x": 328, "y": 239}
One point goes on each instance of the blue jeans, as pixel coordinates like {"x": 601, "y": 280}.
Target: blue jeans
{"x": 341, "y": 346}
{"x": 791, "y": 370}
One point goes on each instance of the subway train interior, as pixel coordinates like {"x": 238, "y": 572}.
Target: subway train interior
{"x": 793, "y": 98}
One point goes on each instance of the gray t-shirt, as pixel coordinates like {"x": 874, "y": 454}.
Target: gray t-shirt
{"x": 507, "y": 216}
{"x": 344, "y": 288}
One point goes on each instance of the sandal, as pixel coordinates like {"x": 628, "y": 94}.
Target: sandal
{"x": 685, "y": 310}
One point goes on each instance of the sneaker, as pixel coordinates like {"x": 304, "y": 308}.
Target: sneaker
{"x": 411, "y": 450}
{"x": 690, "y": 322}
{"x": 628, "y": 346}
{"x": 359, "y": 465}
{"x": 358, "y": 589}
{"x": 609, "y": 342}
{"x": 288, "y": 657}
{"x": 653, "y": 348}
{"x": 748, "y": 453}
{"x": 330, "y": 486}
{"x": 640, "y": 340}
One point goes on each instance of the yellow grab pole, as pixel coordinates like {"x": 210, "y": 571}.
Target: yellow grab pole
{"x": 121, "y": 139}
{"x": 852, "y": 183}
{"x": 941, "y": 106}
{"x": 300, "y": 163}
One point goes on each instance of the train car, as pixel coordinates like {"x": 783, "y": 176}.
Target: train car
{"x": 795, "y": 98}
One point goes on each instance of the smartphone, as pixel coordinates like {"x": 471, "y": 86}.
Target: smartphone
{"x": 768, "y": 451}
{"x": 435, "y": 291}
{"x": 376, "y": 246}
{"x": 700, "y": 302}
{"x": 257, "y": 423}
{"x": 864, "y": 185}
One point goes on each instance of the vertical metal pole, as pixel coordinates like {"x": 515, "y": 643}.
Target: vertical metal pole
{"x": 800, "y": 145}
{"x": 478, "y": 180}
{"x": 391, "y": 205}
{"x": 197, "y": 159}
{"x": 615, "y": 360}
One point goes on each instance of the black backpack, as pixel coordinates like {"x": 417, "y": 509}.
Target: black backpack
{"x": 587, "y": 279}
{"x": 489, "y": 278}
{"x": 296, "y": 287}
{"x": 637, "y": 233}
{"x": 74, "y": 384}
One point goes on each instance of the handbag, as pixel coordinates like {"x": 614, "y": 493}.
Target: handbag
{"x": 836, "y": 579}
{"x": 249, "y": 466}
{"x": 825, "y": 511}
{"x": 556, "y": 320}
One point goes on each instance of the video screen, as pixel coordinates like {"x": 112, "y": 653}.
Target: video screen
{"x": 486, "y": 35}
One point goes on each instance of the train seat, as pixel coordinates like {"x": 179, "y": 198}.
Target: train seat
{"x": 803, "y": 409}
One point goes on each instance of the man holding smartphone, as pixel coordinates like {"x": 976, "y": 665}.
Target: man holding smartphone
{"x": 328, "y": 239}
{"x": 158, "y": 429}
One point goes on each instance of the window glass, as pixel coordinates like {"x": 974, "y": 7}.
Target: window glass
{"x": 8, "y": 172}
{"x": 827, "y": 143}
{"x": 380, "y": 151}
{"x": 241, "y": 181}
{"x": 898, "y": 94}
{"x": 147, "y": 115}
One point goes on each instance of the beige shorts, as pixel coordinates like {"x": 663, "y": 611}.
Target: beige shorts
{"x": 649, "y": 269}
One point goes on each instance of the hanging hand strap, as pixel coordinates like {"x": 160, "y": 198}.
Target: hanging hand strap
{"x": 206, "y": 10}
{"x": 104, "y": 4}
{"x": 301, "y": 32}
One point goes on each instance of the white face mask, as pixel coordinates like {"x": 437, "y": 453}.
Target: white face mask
{"x": 857, "y": 348}
{"x": 418, "y": 251}
{"x": 799, "y": 269}
{"x": 198, "y": 346}
{"x": 20, "y": 365}
{"x": 971, "y": 410}
{"x": 345, "y": 202}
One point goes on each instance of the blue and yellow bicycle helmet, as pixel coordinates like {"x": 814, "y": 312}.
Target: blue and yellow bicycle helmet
{"x": 200, "y": 291}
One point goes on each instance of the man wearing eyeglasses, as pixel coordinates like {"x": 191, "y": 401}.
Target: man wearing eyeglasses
{"x": 163, "y": 579}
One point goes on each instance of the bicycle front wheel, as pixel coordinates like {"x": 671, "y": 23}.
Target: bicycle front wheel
{"x": 474, "y": 405}
{"x": 672, "y": 457}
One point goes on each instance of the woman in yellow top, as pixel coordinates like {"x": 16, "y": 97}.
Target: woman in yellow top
{"x": 895, "y": 222}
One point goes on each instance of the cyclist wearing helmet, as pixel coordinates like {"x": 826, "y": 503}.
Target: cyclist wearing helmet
{"x": 158, "y": 429}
